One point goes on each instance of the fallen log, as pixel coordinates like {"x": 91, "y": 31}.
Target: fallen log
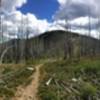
{"x": 49, "y": 81}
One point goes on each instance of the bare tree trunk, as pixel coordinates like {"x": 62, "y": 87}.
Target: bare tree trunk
{"x": 89, "y": 48}
{"x": 27, "y": 44}
{"x": 3, "y": 54}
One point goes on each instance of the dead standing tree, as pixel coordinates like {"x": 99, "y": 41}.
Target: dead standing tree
{"x": 3, "y": 54}
{"x": 1, "y": 22}
{"x": 99, "y": 37}
{"x": 19, "y": 45}
{"x": 98, "y": 34}
{"x": 68, "y": 44}
{"x": 27, "y": 44}
{"x": 90, "y": 48}
{"x": 1, "y": 31}
{"x": 17, "y": 53}
{"x": 22, "y": 36}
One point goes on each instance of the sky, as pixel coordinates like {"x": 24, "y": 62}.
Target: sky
{"x": 43, "y": 9}
{"x": 38, "y": 16}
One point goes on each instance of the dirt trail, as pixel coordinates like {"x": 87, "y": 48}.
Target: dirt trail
{"x": 30, "y": 92}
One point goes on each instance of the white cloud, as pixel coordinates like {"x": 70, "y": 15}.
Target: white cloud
{"x": 83, "y": 21}
{"x": 77, "y": 12}
{"x": 57, "y": 25}
{"x": 62, "y": 2}
{"x": 71, "y": 9}
{"x": 39, "y": 25}
{"x": 16, "y": 23}
{"x": 23, "y": 23}
{"x": 80, "y": 21}
{"x": 11, "y": 5}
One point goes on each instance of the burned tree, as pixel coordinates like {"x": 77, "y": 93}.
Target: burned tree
{"x": 27, "y": 44}
{"x": 68, "y": 47}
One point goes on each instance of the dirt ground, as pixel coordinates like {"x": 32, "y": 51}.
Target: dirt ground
{"x": 30, "y": 92}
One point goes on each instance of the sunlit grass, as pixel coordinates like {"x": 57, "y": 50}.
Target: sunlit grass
{"x": 85, "y": 72}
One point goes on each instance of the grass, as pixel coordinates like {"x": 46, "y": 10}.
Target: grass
{"x": 11, "y": 77}
{"x": 86, "y": 74}
{"x": 14, "y": 75}
{"x": 82, "y": 76}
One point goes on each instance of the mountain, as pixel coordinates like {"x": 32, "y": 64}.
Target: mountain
{"x": 52, "y": 44}
{"x": 57, "y": 43}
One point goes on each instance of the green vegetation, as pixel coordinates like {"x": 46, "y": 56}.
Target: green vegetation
{"x": 11, "y": 77}
{"x": 70, "y": 80}
{"x": 88, "y": 90}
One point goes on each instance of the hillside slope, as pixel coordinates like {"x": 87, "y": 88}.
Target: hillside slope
{"x": 51, "y": 44}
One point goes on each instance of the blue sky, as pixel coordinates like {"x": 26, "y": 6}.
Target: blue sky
{"x": 46, "y": 15}
{"x": 43, "y": 9}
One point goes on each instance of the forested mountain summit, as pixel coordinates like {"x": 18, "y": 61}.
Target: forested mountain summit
{"x": 56, "y": 43}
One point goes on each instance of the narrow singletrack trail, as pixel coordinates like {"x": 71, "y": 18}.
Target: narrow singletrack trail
{"x": 30, "y": 92}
